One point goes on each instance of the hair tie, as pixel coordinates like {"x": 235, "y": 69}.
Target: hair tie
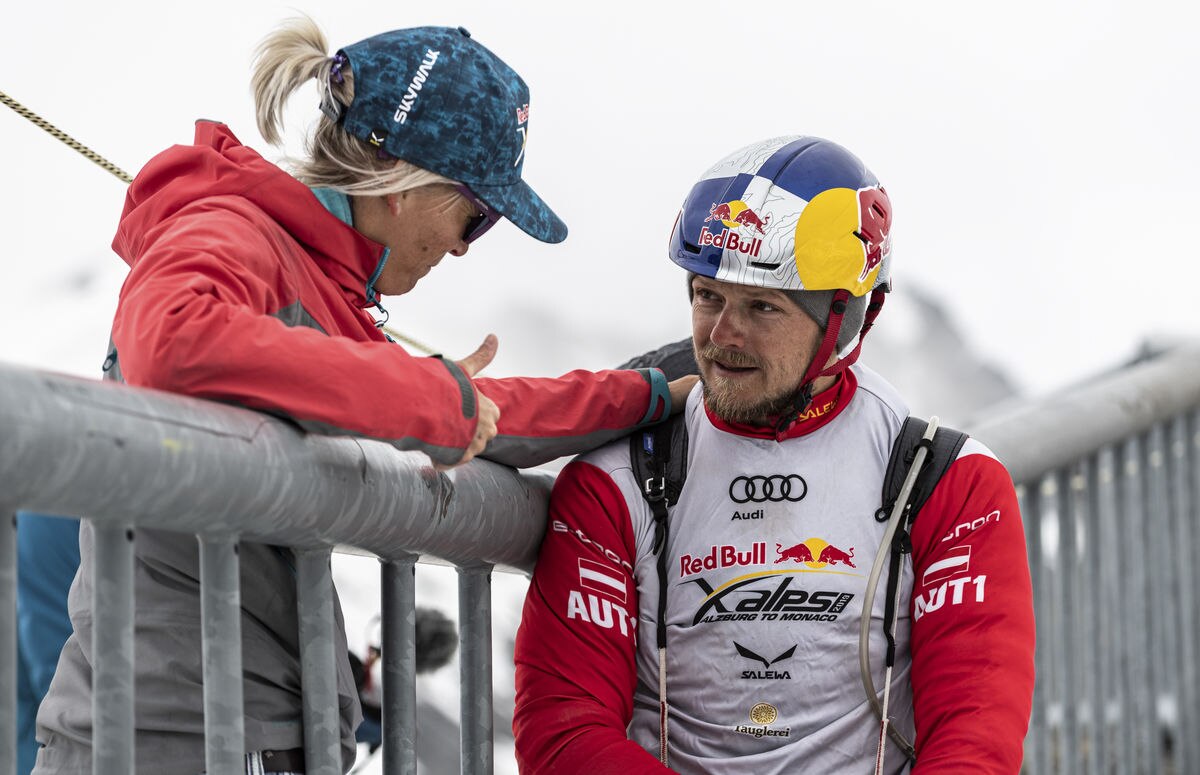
{"x": 335, "y": 73}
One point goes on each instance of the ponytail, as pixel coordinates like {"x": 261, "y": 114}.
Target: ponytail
{"x": 283, "y": 62}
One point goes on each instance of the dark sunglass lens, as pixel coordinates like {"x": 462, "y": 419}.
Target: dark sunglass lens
{"x": 473, "y": 229}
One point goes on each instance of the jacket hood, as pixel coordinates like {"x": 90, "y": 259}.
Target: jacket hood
{"x": 218, "y": 165}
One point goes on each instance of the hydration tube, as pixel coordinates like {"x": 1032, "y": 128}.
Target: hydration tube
{"x": 899, "y": 514}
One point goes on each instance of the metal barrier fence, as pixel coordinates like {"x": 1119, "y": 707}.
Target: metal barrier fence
{"x": 1108, "y": 479}
{"x": 125, "y": 457}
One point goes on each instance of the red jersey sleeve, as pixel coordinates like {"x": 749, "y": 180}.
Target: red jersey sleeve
{"x": 972, "y": 623}
{"x": 575, "y": 648}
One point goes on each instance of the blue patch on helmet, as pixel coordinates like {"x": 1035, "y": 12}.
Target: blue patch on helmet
{"x": 809, "y": 165}
{"x": 699, "y": 211}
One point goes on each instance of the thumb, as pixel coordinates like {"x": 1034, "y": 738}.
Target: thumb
{"x": 478, "y": 360}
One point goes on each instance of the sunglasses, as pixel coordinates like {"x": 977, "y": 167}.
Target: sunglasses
{"x": 485, "y": 217}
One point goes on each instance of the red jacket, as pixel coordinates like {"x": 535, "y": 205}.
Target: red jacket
{"x": 243, "y": 288}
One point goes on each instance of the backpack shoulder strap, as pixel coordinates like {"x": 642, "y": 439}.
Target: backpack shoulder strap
{"x": 942, "y": 452}
{"x": 658, "y": 455}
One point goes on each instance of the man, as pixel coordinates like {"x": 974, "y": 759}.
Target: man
{"x": 769, "y": 547}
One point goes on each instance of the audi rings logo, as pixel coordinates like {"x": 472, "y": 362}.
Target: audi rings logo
{"x": 776, "y": 489}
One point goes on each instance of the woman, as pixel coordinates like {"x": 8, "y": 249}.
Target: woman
{"x": 252, "y": 286}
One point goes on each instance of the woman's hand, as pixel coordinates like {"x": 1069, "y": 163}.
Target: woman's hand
{"x": 486, "y": 409}
{"x": 679, "y": 391}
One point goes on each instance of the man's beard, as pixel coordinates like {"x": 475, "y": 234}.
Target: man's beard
{"x": 761, "y": 410}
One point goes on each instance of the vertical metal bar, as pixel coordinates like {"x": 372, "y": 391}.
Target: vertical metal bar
{"x": 1073, "y": 649}
{"x": 1136, "y": 599}
{"x": 1162, "y": 605}
{"x": 475, "y": 668}
{"x": 112, "y": 650}
{"x": 1185, "y": 497}
{"x": 1083, "y": 662}
{"x": 1052, "y": 619}
{"x": 399, "y": 603}
{"x": 318, "y": 663}
{"x": 1035, "y": 738}
{"x": 8, "y": 641}
{"x": 221, "y": 611}
{"x": 1112, "y": 750}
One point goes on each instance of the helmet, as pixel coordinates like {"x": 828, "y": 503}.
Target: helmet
{"x": 799, "y": 214}
{"x": 794, "y": 213}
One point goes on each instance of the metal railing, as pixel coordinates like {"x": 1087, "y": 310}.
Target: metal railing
{"x": 1108, "y": 478}
{"x": 125, "y": 457}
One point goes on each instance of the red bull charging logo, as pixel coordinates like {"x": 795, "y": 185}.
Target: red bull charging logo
{"x": 815, "y": 553}
{"x": 740, "y": 222}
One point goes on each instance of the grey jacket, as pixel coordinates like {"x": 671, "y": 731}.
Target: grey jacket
{"x": 169, "y": 709}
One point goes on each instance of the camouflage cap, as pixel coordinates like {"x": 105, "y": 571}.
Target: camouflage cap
{"x": 435, "y": 97}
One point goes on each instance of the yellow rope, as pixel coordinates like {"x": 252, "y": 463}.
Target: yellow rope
{"x": 393, "y": 333}
{"x": 66, "y": 138}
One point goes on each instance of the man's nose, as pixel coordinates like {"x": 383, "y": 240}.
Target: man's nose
{"x": 729, "y": 330}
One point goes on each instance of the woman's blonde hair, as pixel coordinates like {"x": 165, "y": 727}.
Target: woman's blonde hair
{"x": 283, "y": 62}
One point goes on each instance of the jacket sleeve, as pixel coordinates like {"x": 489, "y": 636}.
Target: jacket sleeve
{"x": 542, "y": 419}
{"x": 200, "y": 315}
{"x": 973, "y": 626}
{"x": 575, "y": 649}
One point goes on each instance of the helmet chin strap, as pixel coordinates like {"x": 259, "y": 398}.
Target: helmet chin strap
{"x": 803, "y": 396}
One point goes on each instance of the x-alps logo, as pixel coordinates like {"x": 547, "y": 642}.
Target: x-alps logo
{"x": 767, "y": 597}
{"x": 776, "y": 488}
{"x": 767, "y": 673}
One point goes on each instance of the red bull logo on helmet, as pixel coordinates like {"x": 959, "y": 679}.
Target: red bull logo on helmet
{"x": 741, "y": 224}
{"x": 736, "y": 214}
{"x": 842, "y": 237}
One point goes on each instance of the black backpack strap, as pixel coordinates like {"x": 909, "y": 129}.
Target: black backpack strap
{"x": 658, "y": 455}
{"x": 942, "y": 452}
{"x": 943, "y": 449}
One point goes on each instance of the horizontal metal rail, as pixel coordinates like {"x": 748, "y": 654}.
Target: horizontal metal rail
{"x": 125, "y": 455}
{"x": 1035, "y": 437}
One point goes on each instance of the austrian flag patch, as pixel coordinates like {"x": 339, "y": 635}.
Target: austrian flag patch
{"x": 601, "y": 578}
{"x": 956, "y": 562}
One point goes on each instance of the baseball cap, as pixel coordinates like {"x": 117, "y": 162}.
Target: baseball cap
{"x": 435, "y": 97}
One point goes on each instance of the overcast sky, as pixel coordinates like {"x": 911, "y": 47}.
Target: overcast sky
{"x": 1041, "y": 157}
